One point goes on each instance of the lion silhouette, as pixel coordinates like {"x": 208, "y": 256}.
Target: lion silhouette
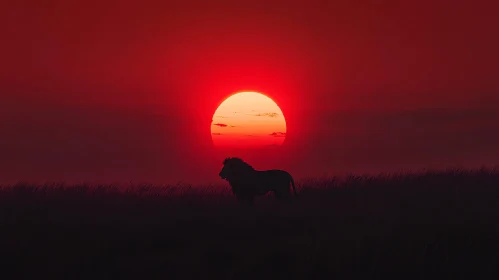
{"x": 246, "y": 182}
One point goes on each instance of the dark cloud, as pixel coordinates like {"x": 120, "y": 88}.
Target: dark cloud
{"x": 278, "y": 134}
{"x": 272, "y": 115}
{"x": 220, "y": 124}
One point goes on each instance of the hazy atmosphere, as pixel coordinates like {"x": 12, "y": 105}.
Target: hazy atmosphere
{"x": 125, "y": 91}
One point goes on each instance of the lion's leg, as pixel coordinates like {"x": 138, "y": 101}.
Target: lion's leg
{"x": 282, "y": 193}
{"x": 246, "y": 199}
{"x": 250, "y": 200}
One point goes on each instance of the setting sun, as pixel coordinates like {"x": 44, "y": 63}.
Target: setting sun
{"x": 248, "y": 119}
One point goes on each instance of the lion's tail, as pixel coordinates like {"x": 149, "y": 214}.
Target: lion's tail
{"x": 292, "y": 184}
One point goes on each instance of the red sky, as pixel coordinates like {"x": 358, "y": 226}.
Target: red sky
{"x": 119, "y": 90}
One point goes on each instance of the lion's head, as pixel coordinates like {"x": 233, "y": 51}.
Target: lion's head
{"x": 234, "y": 168}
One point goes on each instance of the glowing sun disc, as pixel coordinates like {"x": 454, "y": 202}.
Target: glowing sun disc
{"x": 248, "y": 120}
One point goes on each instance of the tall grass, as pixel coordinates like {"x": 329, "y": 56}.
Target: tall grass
{"x": 429, "y": 224}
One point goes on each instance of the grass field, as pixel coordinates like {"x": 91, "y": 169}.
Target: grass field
{"x": 412, "y": 226}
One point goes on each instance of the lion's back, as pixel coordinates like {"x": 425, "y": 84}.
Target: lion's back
{"x": 273, "y": 176}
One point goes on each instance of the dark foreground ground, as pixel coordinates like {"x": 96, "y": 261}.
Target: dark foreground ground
{"x": 440, "y": 225}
